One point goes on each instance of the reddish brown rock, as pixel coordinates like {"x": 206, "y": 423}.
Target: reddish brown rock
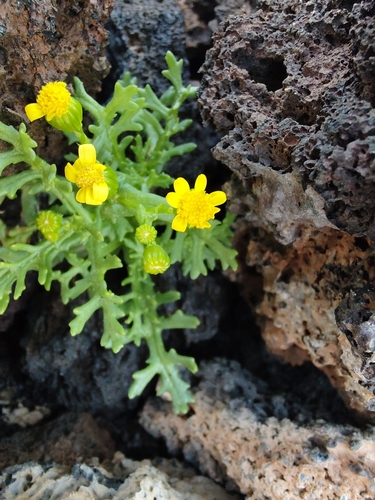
{"x": 43, "y": 41}
{"x": 291, "y": 87}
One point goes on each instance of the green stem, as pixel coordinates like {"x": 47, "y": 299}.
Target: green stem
{"x": 81, "y": 136}
{"x": 156, "y": 346}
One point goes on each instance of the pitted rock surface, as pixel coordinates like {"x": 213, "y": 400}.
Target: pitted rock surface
{"x": 63, "y": 439}
{"x": 232, "y": 434}
{"x": 291, "y": 88}
{"x": 43, "y": 41}
{"x": 303, "y": 284}
{"x": 141, "y": 34}
{"x": 123, "y": 479}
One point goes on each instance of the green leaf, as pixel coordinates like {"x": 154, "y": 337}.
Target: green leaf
{"x": 83, "y": 314}
{"x": 167, "y": 297}
{"x": 10, "y": 157}
{"x": 179, "y": 320}
{"x": 173, "y": 73}
{"x": 153, "y": 102}
{"x": 165, "y": 364}
{"x": 113, "y": 332}
{"x": 10, "y": 185}
{"x": 199, "y": 249}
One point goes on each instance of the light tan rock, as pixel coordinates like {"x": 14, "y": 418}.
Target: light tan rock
{"x": 123, "y": 479}
{"x": 232, "y": 437}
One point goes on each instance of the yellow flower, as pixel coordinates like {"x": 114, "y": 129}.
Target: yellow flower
{"x": 87, "y": 174}
{"x": 194, "y": 207}
{"x": 61, "y": 110}
{"x": 53, "y": 100}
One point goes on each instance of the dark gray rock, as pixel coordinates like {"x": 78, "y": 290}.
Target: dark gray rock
{"x": 141, "y": 33}
{"x": 76, "y": 372}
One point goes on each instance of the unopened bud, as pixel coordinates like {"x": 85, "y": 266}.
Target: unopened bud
{"x": 146, "y": 234}
{"x": 49, "y": 224}
{"x": 155, "y": 259}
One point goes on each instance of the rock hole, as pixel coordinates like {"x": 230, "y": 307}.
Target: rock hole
{"x": 362, "y": 243}
{"x": 329, "y": 38}
{"x": 348, "y": 4}
{"x": 269, "y": 71}
{"x": 286, "y": 275}
{"x": 304, "y": 119}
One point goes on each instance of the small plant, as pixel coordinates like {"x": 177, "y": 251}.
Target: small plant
{"x": 104, "y": 215}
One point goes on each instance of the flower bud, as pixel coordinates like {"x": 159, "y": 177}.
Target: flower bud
{"x": 49, "y": 224}
{"x": 146, "y": 234}
{"x": 71, "y": 121}
{"x": 155, "y": 259}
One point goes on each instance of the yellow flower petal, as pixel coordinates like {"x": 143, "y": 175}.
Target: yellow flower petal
{"x": 81, "y": 195}
{"x": 100, "y": 192}
{"x": 70, "y": 173}
{"x": 205, "y": 225}
{"x": 200, "y": 183}
{"x": 34, "y": 111}
{"x": 181, "y": 186}
{"x": 173, "y": 199}
{"x": 179, "y": 224}
{"x": 90, "y": 198}
{"x": 217, "y": 197}
{"x": 87, "y": 154}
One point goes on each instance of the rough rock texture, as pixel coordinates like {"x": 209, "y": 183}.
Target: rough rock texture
{"x": 63, "y": 440}
{"x": 122, "y": 479}
{"x": 291, "y": 87}
{"x": 43, "y": 41}
{"x": 75, "y": 372}
{"x": 241, "y": 433}
{"x": 141, "y": 33}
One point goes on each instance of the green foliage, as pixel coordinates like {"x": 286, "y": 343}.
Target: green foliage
{"x": 132, "y": 136}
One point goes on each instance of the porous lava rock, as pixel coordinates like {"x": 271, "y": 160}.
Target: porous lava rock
{"x": 141, "y": 33}
{"x": 43, "y": 41}
{"x": 63, "y": 439}
{"x": 121, "y": 479}
{"x": 241, "y": 433}
{"x": 290, "y": 86}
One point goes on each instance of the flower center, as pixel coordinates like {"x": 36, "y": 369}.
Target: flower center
{"x": 89, "y": 175}
{"x": 54, "y": 99}
{"x": 196, "y": 209}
